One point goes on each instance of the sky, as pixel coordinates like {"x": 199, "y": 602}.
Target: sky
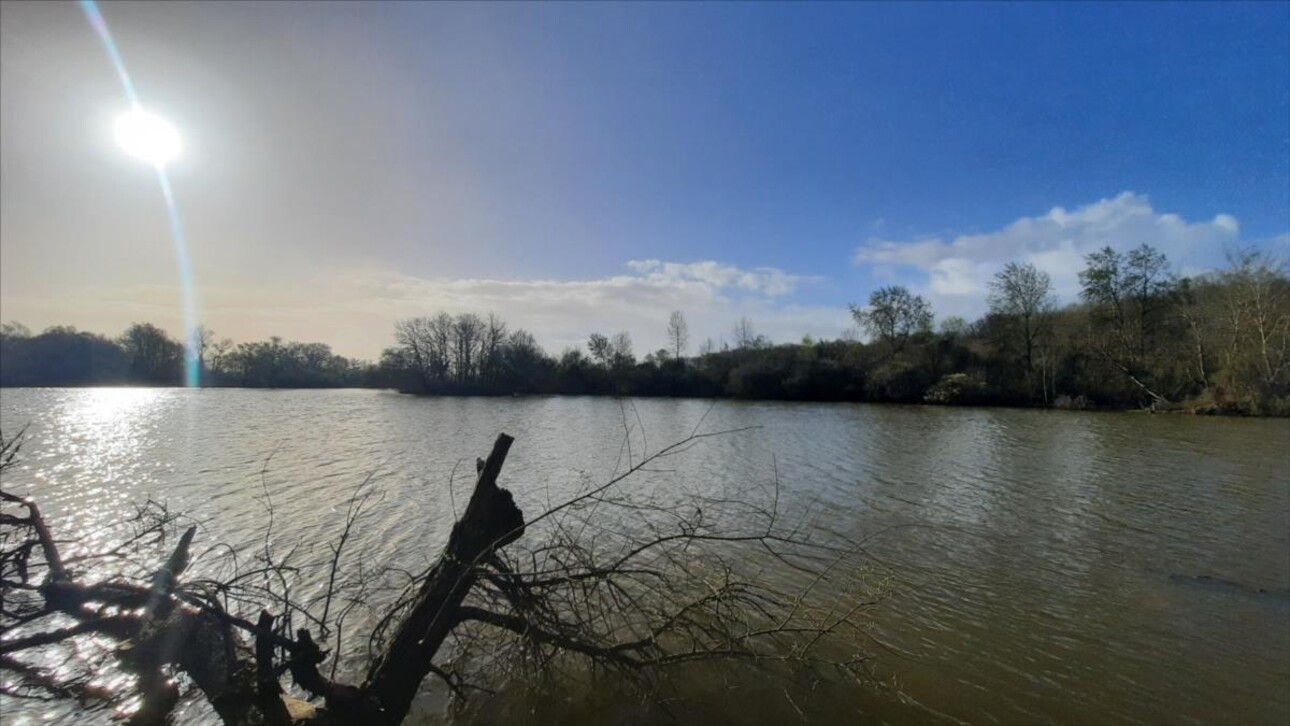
{"x": 592, "y": 166}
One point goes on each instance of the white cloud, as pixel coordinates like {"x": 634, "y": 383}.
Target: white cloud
{"x": 766, "y": 280}
{"x": 560, "y": 313}
{"x": 954, "y": 276}
{"x": 957, "y": 271}
{"x": 354, "y": 311}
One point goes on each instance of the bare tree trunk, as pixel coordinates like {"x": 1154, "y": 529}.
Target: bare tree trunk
{"x": 491, "y": 521}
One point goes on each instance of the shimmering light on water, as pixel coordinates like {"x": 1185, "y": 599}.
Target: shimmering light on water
{"x": 1052, "y": 567}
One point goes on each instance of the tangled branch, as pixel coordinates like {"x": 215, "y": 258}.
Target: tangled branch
{"x": 631, "y": 575}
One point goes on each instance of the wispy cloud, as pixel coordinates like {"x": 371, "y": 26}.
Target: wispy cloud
{"x": 762, "y": 280}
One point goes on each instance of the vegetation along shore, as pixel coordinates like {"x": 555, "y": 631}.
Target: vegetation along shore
{"x": 1139, "y": 337}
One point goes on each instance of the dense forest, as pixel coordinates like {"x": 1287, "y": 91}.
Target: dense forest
{"x": 1139, "y": 337}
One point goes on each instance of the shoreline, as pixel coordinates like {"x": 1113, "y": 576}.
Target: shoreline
{"x": 1182, "y": 408}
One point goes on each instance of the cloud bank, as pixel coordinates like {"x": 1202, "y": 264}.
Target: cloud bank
{"x": 954, "y": 273}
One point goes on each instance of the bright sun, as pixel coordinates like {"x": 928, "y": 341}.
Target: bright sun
{"x": 147, "y": 136}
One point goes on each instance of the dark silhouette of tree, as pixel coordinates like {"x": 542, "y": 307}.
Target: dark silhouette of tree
{"x": 62, "y": 356}
{"x": 622, "y": 356}
{"x": 14, "y": 329}
{"x": 602, "y": 351}
{"x": 1129, "y": 294}
{"x": 467, "y": 339}
{"x": 744, "y": 334}
{"x": 154, "y": 356}
{"x": 204, "y": 339}
{"x": 894, "y": 315}
{"x": 678, "y": 334}
{"x": 1022, "y": 295}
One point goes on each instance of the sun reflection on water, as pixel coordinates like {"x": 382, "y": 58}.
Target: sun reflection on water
{"x": 113, "y": 433}
{"x": 106, "y": 406}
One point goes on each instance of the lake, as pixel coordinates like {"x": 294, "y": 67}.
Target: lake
{"x": 1045, "y": 567}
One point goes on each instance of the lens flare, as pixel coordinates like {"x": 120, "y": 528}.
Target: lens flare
{"x": 147, "y": 136}
{"x": 152, "y": 138}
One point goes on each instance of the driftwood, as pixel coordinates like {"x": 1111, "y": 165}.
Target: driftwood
{"x": 628, "y": 611}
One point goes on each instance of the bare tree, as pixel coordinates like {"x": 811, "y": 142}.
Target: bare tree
{"x": 494, "y": 340}
{"x": 894, "y": 315}
{"x": 467, "y": 337}
{"x": 218, "y": 354}
{"x": 1257, "y": 305}
{"x": 678, "y": 334}
{"x": 602, "y": 351}
{"x": 415, "y": 336}
{"x": 1129, "y": 294}
{"x": 745, "y": 335}
{"x": 203, "y": 337}
{"x": 1023, "y": 296}
{"x": 638, "y": 600}
{"x": 623, "y": 356}
{"x": 1198, "y": 320}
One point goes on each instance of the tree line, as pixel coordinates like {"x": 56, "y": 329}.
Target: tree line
{"x": 146, "y": 355}
{"x": 1139, "y": 336}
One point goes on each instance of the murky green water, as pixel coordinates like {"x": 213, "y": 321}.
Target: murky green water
{"x": 1052, "y": 567}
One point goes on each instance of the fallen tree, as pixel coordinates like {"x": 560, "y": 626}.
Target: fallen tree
{"x": 641, "y": 600}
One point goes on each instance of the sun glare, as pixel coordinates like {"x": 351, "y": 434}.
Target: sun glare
{"x": 147, "y": 136}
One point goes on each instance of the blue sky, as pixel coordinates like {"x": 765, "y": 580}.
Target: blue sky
{"x": 776, "y": 160}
